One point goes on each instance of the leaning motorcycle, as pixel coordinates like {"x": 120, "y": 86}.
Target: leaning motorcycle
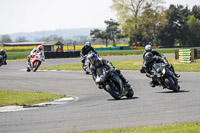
{"x": 165, "y": 77}
{"x": 1, "y": 60}
{"x": 87, "y": 64}
{"x": 112, "y": 83}
{"x": 35, "y": 62}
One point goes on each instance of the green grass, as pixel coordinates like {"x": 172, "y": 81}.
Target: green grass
{"x": 17, "y": 55}
{"x": 22, "y": 54}
{"x": 134, "y": 64}
{"x": 172, "y": 128}
{"x": 134, "y": 52}
{"x": 25, "y": 98}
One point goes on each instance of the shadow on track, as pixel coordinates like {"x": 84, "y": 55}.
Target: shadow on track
{"x": 132, "y": 98}
{"x": 181, "y": 91}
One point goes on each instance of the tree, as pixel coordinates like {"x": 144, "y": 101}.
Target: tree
{"x": 176, "y": 28}
{"x": 152, "y": 20}
{"x": 99, "y": 34}
{"x": 112, "y": 31}
{"x": 6, "y": 39}
{"x": 129, "y": 14}
{"x": 194, "y": 28}
{"x": 196, "y": 11}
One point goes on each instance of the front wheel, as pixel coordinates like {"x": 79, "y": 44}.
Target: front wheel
{"x": 171, "y": 84}
{"x": 113, "y": 92}
{"x": 36, "y": 66}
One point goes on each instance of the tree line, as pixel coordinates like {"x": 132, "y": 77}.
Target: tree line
{"x": 144, "y": 21}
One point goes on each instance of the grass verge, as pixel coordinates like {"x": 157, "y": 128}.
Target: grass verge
{"x": 134, "y": 52}
{"x": 22, "y": 54}
{"x": 171, "y": 128}
{"x": 134, "y": 64}
{"x": 25, "y": 98}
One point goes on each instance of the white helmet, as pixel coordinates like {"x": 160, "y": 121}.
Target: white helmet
{"x": 148, "y": 48}
{"x": 88, "y": 44}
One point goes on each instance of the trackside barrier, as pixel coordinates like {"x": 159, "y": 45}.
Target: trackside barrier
{"x": 185, "y": 55}
{"x": 67, "y": 54}
{"x": 113, "y": 48}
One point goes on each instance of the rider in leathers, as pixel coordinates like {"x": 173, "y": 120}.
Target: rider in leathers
{"x": 100, "y": 62}
{"x": 39, "y": 49}
{"x": 4, "y": 55}
{"x": 149, "y": 60}
{"x": 85, "y": 50}
{"x": 148, "y": 48}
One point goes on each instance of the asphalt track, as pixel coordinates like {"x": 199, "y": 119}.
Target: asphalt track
{"x": 96, "y": 109}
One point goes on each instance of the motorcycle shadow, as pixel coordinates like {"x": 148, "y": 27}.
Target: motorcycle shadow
{"x": 180, "y": 91}
{"x": 123, "y": 98}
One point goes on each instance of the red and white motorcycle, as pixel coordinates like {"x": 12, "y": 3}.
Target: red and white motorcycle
{"x": 35, "y": 61}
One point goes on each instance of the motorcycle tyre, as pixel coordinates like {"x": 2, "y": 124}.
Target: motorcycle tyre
{"x": 112, "y": 93}
{"x": 35, "y": 68}
{"x": 171, "y": 86}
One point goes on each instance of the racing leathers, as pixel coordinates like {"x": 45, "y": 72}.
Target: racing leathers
{"x": 103, "y": 62}
{"x": 84, "y": 51}
{"x": 32, "y": 54}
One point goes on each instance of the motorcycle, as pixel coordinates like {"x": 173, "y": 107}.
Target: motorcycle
{"x": 35, "y": 62}
{"x": 1, "y": 60}
{"x": 87, "y": 64}
{"x": 112, "y": 83}
{"x": 165, "y": 77}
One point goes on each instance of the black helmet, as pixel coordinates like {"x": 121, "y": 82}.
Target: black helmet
{"x": 88, "y": 44}
{"x": 148, "y": 57}
{"x": 93, "y": 58}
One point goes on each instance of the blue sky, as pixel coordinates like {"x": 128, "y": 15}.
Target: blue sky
{"x": 36, "y": 15}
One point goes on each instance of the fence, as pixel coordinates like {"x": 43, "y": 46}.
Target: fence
{"x": 187, "y": 55}
{"x": 68, "y": 54}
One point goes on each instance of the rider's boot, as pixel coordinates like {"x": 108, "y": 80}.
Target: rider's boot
{"x": 177, "y": 75}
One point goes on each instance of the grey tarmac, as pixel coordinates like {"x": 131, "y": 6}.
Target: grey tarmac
{"x": 95, "y": 108}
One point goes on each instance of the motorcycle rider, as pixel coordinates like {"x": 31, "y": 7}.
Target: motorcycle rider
{"x": 39, "y": 49}
{"x": 100, "y": 62}
{"x": 148, "y": 48}
{"x": 4, "y": 55}
{"x": 149, "y": 60}
{"x": 85, "y": 50}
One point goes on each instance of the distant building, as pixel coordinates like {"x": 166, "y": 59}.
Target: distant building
{"x": 49, "y": 46}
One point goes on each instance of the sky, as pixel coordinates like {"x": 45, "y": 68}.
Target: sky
{"x": 39, "y": 15}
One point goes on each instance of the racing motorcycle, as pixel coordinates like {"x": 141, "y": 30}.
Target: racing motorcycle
{"x": 1, "y": 60}
{"x": 87, "y": 64}
{"x": 35, "y": 62}
{"x": 112, "y": 83}
{"x": 165, "y": 77}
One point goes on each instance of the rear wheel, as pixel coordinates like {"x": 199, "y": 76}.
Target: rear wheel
{"x": 114, "y": 92}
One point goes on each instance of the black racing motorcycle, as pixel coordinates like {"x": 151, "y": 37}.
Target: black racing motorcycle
{"x": 112, "y": 83}
{"x": 165, "y": 77}
{"x": 1, "y": 60}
